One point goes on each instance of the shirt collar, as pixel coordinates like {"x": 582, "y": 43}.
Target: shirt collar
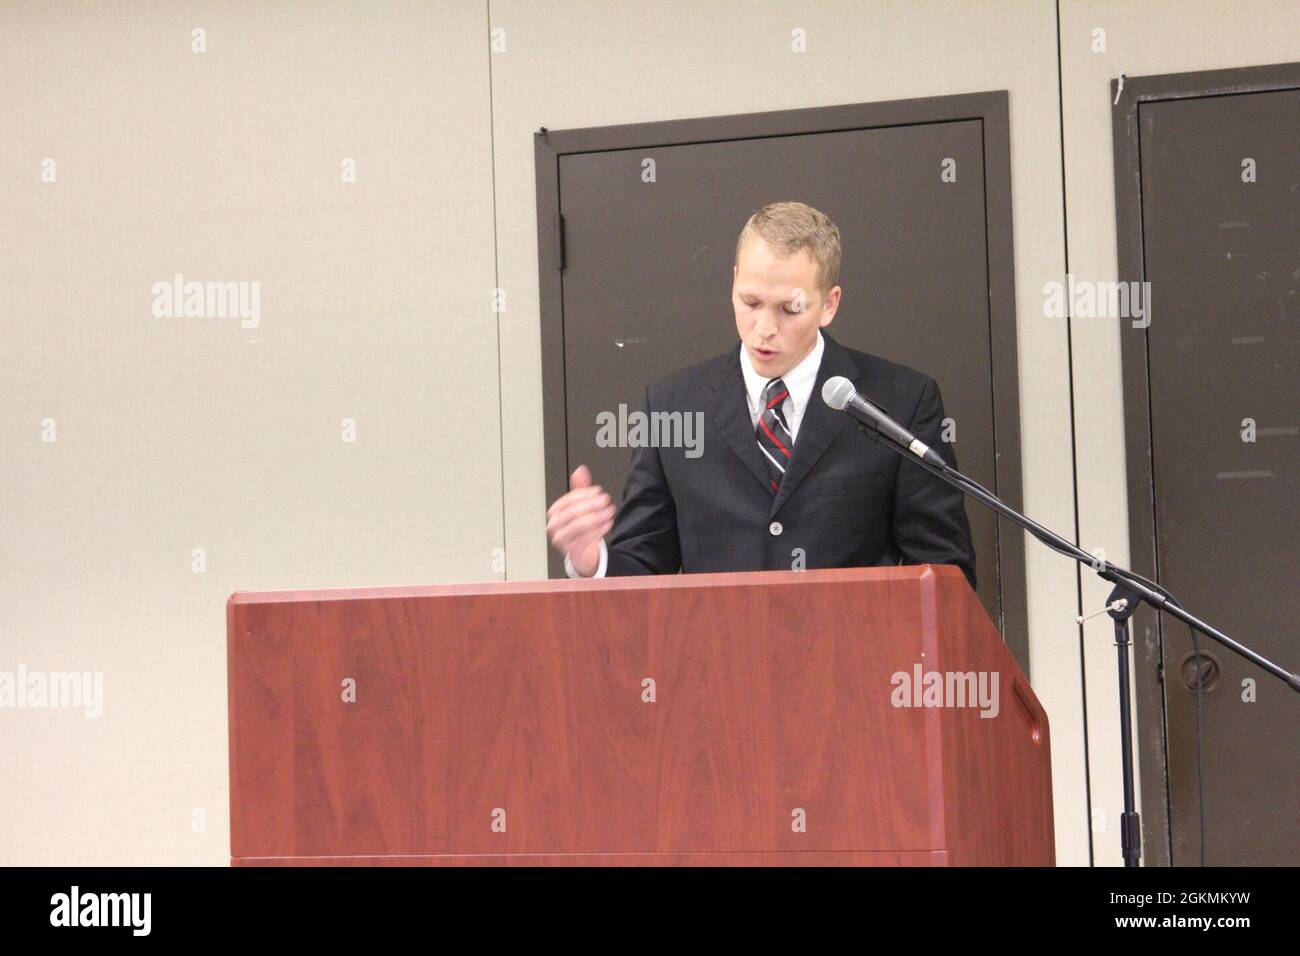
{"x": 799, "y": 380}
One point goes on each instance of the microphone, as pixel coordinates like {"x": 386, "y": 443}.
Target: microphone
{"x": 839, "y": 394}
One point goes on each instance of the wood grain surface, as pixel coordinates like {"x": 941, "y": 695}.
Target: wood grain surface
{"x": 523, "y": 703}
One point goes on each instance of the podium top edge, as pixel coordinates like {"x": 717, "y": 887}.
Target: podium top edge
{"x": 627, "y": 583}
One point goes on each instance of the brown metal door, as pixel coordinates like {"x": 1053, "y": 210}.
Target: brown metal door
{"x": 1220, "y": 238}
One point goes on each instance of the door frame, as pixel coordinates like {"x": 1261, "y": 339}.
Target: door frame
{"x": 990, "y": 108}
{"x": 1153, "y": 747}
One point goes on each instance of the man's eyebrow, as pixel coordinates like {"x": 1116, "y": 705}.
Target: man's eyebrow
{"x": 750, "y": 294}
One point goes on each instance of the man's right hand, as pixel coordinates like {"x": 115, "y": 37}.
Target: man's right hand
{"x": 578, "y": 521}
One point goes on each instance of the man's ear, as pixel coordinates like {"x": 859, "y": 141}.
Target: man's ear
{"x": 830, "y": 306}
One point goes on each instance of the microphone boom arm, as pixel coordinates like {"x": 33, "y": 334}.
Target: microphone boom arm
{"x": 1148, "y": 591}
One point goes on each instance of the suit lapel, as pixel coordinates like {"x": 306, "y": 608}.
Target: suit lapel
{"x": 730, "y": 415}
{"x": 821, "y": 424}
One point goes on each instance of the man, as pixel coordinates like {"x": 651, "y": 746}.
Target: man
{"x": 784, "y": 481}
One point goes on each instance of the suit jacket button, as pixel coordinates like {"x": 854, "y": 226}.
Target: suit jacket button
{"x": 775, "y": 527}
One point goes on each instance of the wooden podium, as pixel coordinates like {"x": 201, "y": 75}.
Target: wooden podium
{"x": 714, "y": 719}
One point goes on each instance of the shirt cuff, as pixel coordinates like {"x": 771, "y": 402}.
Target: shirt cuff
{"x": 600, "y": 568}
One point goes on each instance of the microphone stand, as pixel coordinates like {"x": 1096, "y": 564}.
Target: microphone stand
{"x": 1130, "y": 588}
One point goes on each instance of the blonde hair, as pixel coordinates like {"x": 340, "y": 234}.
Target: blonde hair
{"x": 790, "y": 226}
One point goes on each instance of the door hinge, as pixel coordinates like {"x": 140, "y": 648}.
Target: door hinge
{"x": 559, "y": 240}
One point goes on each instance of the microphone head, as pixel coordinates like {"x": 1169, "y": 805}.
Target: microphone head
{"x": 837, "y": 391}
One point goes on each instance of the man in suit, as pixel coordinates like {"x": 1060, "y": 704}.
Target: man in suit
{"x": 783, "y": 481}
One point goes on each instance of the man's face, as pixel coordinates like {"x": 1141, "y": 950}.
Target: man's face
{"x": 779, "y": 307}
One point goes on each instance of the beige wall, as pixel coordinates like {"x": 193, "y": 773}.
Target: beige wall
{"x": 184, "y": 433}
{"x": 181, "y": 433}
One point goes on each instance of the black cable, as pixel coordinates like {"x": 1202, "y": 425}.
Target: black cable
{"x": 1200, "y": 763}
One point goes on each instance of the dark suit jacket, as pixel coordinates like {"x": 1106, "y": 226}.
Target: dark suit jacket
{"x": 846, "y": 500}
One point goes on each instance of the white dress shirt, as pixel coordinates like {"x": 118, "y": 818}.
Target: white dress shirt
{"x": 799, "y": 381}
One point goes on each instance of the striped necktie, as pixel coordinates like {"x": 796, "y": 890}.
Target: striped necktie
{"x": 773, "y": 432}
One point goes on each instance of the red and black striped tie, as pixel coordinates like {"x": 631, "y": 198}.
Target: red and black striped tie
{"x": 773, "y": 432}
